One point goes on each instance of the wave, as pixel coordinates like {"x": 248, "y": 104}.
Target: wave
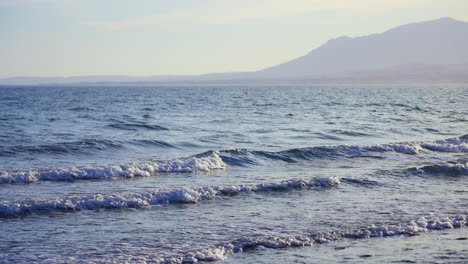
{"x": 80, "y": 109}
{"x": 199, "y": 163}
{"x": 80, "y": 147}
{"x": 448, "y": 169}
{"x": 449, "y": 145}
{"x": 223, "y": 250}
{"x": 136, "y": 126}
{"x": 158, "y": 196}
{"x": 217, "y": 159}
{"x": 73, "y": 147}
{"x": 152, "y": 143}
{"x": 350, "y": 133}
{"x": 244, "y": 157}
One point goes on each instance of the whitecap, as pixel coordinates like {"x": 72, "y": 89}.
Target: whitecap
{"x": 130, "y": 170}
{"x": 154, "y": 197}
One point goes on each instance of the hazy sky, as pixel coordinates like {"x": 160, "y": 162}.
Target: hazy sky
{"x": 84, "y": 37}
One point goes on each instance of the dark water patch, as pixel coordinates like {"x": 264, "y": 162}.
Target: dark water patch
{"x": 432, "y": 130}
{"x": 415, "y": 108}
{"x": 323, "y": 152}
{"x": 189, "y": 145}
{"x": 220, "y": 121}
{"x": 404, "y": 261}
{"x": 152, "y": 143}
{"x": 137, "y": 126}
{"x": 238, "y": 161}
{"x": 74, "y": 147}
{"x": 244, "y": 157}
{"x": 80, "y": 109}
{"x": 274, "y": 156}
{"x": 374, "y": 104}
{"x": 462, "y": 120}
{"x": 327, "y": 136}
{"x": 261, "y": 131}
{"x": 296, "y": 130}
{"x": 238, "y": 157}
{"x": 361, "y": 182}
{"x": 313, "y": 153}
{"x": 446, "y": 169}
{"x": 264, "y": 104}
{"x": 333, "y": 104}
{"x": 350, "y": 133}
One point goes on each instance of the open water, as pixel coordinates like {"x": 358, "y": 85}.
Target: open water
{"x": 282, "y": 174}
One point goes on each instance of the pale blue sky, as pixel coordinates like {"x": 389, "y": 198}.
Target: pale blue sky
{"x": 84, "y": 37}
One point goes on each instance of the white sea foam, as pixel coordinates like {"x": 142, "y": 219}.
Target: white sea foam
{"x": 408, "y": 148}
{"x": 130, "y": 170}
{"x": 203, "y": 163}
{"x": 224, "y": 250}
{"x": 450, "y": 145}
{"x": 158, "y": 196}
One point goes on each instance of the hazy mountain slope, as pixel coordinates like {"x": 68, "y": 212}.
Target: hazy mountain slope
{"x": 438, "y": 42}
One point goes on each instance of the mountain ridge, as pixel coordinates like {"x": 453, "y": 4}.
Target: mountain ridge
{"x": 441, "y": 41}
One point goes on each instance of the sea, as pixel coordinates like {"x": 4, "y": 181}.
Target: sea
{"x": 263, "y": 174}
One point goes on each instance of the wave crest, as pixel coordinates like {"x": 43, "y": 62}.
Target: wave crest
{"x": 451, "y": 169}
{"x": 222, "y": 251}
{"x": 135, "y": 169}
{"x": 135, "y": 200}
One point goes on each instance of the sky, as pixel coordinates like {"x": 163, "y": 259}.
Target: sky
{"x": 186, "y": 37}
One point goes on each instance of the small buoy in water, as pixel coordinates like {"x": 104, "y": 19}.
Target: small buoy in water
{"x": 246, "y": 92}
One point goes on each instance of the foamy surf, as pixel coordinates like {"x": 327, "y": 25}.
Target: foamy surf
{"x": 214, "y": 160}
{"x": 158, "y": 196}
{"x": 281, "y": 242}
{"x": 224, "y": 250}
{"x": 136, "y": 169}
{"x": 453, "y": 145}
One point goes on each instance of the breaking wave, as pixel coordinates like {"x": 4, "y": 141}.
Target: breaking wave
{"x": 223, "y": 250}
{"x": 158, "y": 196}
{"x": 244, "y": 157}
{"x": 208, "y": 162}
{"x": 449, "y": 169}
{"x": 213, "y": 160}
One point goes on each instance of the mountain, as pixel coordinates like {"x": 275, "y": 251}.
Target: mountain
{"x": 439, "y": 42}
{"x": 427, "y": 52}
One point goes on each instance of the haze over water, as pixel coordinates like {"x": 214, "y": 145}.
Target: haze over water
{"x": 173, "y": 174}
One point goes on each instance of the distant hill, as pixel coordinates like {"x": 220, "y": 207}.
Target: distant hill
{"x": 430, "y": 51}
{"x": 439, "y": 42}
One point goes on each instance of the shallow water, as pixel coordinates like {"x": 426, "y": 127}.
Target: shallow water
{"x": 289, "y": 174}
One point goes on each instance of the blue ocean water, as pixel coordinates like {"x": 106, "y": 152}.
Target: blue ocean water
{"x": 183, "y": 174}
